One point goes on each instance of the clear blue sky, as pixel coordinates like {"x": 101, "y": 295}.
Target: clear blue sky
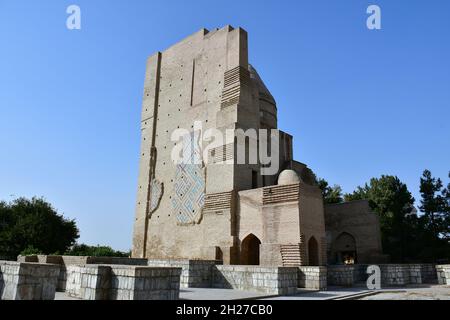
{"x": 359, "y": 103}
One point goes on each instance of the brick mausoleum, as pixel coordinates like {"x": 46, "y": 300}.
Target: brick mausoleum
{"x": 218, "y": 223}
{"x": 219, "y": 209}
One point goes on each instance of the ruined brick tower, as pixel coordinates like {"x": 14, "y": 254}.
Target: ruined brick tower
{"x": 217, "y": 210}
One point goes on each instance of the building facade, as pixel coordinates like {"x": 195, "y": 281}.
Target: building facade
{"x": 218, "y": 207}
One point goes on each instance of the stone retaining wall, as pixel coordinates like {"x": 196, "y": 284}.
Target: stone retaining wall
{"x": 195, "y": 273}
{"x": 310, "y": 277}
{"x": 65, "y": 261}
{"x": 27, "y": 281}
{"x": 341, "y": 275}
{"x": 399, "y": 274}
{"x": 271, "y": 280}
{"x": 144, "y": 283}
{"x": 443, "y": 274}
{"x": 123, "y": 282}
{"x": 88, "y": 282}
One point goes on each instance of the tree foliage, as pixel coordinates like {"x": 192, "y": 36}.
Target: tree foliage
{"x": 407, "y": 236}
{"x": 95, "y": 251}
{"x": 34, "y": 225}
{"x": 330, "y": 194}
{"x": 435, "y": 205}
{"x": 392, "y": 201}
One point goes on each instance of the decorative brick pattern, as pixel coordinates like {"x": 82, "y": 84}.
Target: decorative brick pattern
{"x": 218, "y": 201}
{"x": 189, "y": 188}
{"x": 157, "y": 190}
{"x": 283, "y": 193}
{"x": 233, "y": 79}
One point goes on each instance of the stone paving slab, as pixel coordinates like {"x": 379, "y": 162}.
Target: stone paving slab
{"x": 219, "y": 294}
{"x": 433, "y": 292}
{"x": 427, "y": 293}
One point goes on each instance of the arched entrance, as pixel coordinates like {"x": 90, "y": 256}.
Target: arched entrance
{"x": 313, "y": 252}
{"x": 345, "y": 249}
{"x": 250, "y": 250}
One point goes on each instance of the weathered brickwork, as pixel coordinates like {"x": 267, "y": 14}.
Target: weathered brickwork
{"x": 341, "y": 275}
{"x": 27, "y": 281}
{"x": 122, "y": 282}
{"x": 88, "y": 282}
{"x": 443, "y": 274}
{"x": 195, "y": 273}
{"x": 211, "y": 210}
{"x": 312, "y": 277}
{"x": 399, "y": 274}
{"x": 144, "y": 283}
{"x": 271, "y": 280}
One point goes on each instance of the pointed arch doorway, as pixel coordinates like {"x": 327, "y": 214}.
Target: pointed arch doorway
{"x": 250, "y": 250}
{"x": 313, "y": 252}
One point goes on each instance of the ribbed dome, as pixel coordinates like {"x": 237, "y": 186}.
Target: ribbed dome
{"x": 288, "y": 177}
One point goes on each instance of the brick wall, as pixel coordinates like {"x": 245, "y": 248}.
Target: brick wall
{"x": 312, "y": 277}
{"x": 443, "y": 274}
{"x": 27, "y": 281}
{"x": 122, "y": 282}
{"x": 271, "y": 280}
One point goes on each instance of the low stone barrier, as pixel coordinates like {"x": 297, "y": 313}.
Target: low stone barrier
{"x": 341, "y": 275}
{"x": 270, "y": 280}
{"x": 123, "y": 282}
{"x": 88, "y": 282}
{"x": 310, "y": 277}
{"x": 443, "y": 274}
{"x": 144, "y": 283}
{"x": 428, "y": 273}
{"x": 195, "y": 273}
{"x": 399, "y": 274}
{"x": 65, "y": 261}
{"x": 27, "y": 281}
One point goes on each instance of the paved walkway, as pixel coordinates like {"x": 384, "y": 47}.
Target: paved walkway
{"x": 424, "y": 292}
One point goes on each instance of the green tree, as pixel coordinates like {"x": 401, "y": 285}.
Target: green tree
{"x": 434, "y": 204}
{"x": 330, "y": 194}
{"x": 391, "y": 200}
{"x": 95, "y": 251}
{"x": 34, "y": 223}
{"x": 446, "y": 194}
